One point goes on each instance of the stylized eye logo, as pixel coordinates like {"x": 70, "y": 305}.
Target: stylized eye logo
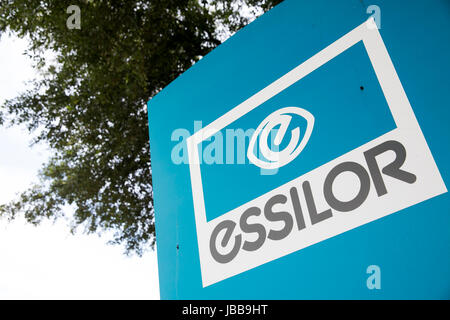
{"x": 282, "y": 118}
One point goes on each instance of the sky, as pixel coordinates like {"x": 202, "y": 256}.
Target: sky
{"x": 46, "y": 261}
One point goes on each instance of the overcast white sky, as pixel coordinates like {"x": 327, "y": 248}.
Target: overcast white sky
{"x": 47, "y": 262}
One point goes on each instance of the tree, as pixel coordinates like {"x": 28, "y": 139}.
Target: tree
{"x": 90, "y": 104}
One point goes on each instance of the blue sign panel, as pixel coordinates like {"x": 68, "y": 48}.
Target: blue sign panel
{"x": 307, "y": 158}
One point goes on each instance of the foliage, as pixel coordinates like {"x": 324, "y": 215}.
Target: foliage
{"x": 89, "y": 105}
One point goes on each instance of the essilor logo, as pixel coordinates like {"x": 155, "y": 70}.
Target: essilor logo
{"x": 281, "y": 118}
{"x": 312, "y": 206}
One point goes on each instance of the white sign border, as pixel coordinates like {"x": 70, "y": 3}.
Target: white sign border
{"x": 392, "y": 88}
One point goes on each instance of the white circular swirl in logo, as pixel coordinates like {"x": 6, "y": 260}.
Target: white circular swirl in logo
{"x": 282, "y": 118}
